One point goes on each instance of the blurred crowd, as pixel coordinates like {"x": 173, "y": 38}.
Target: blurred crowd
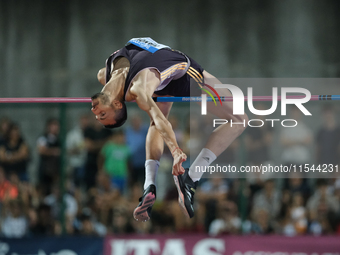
{"x": 105, "y": 173}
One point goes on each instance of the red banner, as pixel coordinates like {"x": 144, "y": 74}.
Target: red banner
{"x": 229, "y": 245}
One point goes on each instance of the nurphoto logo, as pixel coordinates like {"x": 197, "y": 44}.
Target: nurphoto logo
{"x": 238, "y": 105}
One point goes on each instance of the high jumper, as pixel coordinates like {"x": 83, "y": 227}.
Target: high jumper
{"x": 144, "y": 69}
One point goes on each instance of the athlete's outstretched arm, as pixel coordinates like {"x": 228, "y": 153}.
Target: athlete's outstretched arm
{"x": 162, "y": 125}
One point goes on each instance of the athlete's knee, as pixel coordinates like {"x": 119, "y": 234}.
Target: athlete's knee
{"x": 154, "y": 143}
{"x": 154, "y": 150}
{"x": 207, "y": 75}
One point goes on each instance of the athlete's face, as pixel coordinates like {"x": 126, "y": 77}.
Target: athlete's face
{"x": 105, "y": 113}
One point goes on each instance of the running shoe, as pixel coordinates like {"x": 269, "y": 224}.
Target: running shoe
{"x": 143, "y": 210}
{"x": 186, "y": 190}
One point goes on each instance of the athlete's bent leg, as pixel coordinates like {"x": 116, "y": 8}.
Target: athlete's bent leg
{"x": 222, "y": 136}
{"x": 154, "y": 149}
{"x": 217, "y": 142}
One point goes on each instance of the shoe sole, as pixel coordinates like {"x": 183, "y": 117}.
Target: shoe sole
{"x": 141, "y": 212}
{"x": 180, "y": 197}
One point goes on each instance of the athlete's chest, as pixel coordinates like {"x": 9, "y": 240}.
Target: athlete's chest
{"x": 146, "y": 80}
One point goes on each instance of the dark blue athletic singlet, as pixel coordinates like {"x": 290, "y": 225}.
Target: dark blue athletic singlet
{"x": 175, "y": 68}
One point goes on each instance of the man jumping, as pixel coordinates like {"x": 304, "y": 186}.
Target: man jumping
{"x": 144, "y": 69}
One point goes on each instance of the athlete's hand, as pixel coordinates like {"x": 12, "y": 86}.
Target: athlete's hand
{"x": 179, "y": 158}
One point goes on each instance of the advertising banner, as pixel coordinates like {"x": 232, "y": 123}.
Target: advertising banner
{"x": 52, "y": 246}
{"x": 204, "y": 245}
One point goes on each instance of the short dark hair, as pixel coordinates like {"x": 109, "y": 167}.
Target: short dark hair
{"x": 102, "y": 96}
{"x": 51, "y": 121}
{"x": 120, "y": 118}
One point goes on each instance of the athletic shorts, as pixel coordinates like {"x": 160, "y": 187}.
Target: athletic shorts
{"x": 185, "y": 83}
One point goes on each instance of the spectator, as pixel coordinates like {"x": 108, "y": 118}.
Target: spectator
{"x": 7, "y": 189}
{"x": 295, "y": 221}
{"x": 135, "y": 139}
{"x": 26, "y": 209}
{"x": 32, "y": 218}
{"x": 163, "y": 221}
{"x": 58, "y": 228}
{"x": 296, "y": 141}
{"x": 49, "y": 150}
{"x": 296, "y": 184}
{"x": 269, "y": 199}
{"x": 95, "y": 137}
{"x": 87, "y": 227}
{"x": 14, "y": 153}
{"x": 288, "y": 228}
{"x": 322, "y": 197}
{"x": 255, "y": 182}
{"x": 319, "y": 223}
{"x": 227, "y": 221}
{"x": 44, "y": 224}
{"x": 75, "y": 144}
{"x": 210, "y": 194}
{"x": 298, "y": 214}
{"x": 113, "y": 160}
{"x": 328, "y": 138}
{"x": 121, "y": 221}
{"x": 87, "y": 224}
{"x": 53, "y": 200}
{"x": 323, "y": 208}
{"x": 5, "y": 123}
{"x": 261, "y": 223}
{"x": 284, "y": 214}
{"x": 14, "y": 224}
{"x": 102, "y": 197}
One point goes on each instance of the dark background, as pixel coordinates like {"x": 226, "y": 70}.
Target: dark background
{"x": 54, "y": 48}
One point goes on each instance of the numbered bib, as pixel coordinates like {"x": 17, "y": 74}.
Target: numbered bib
{"x": 147, "y": 43}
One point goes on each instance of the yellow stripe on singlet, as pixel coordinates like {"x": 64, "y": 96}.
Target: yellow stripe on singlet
{"x": 195, "y": 71}
{"x": 173, "y": 68}
{"x": 180, "y": 66}
{"x": 195, "y": 77}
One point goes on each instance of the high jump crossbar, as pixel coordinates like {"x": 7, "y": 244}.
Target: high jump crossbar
{"x": 156, "y": 99}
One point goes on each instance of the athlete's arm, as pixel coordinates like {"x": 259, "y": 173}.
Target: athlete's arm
{"x": 142, "y": 89}
{"x": 121, "y": 63}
